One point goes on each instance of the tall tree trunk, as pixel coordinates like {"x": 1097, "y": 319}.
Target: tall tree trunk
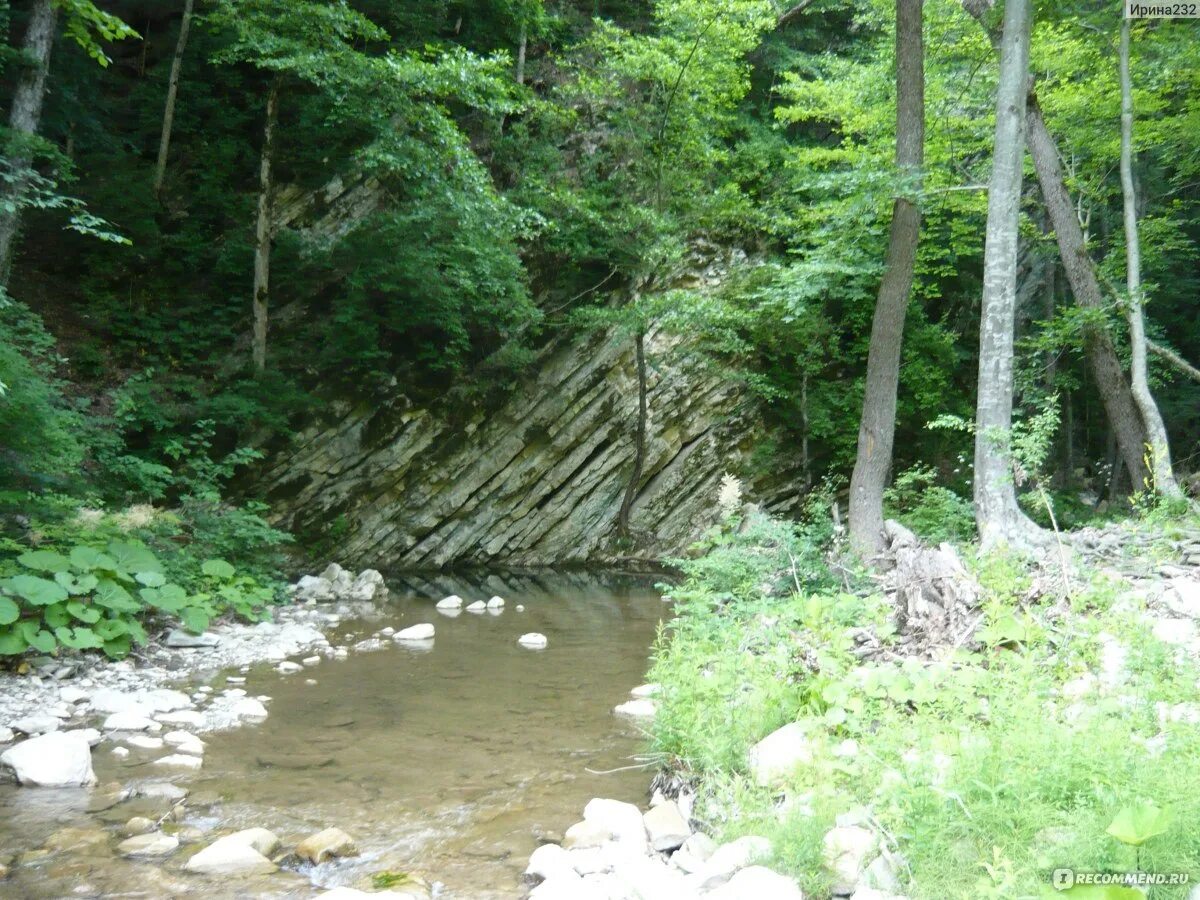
{"x": 876, "y": 431}
{"x": 263, "y": 232}
{"x": 164, "y": 143}
{"x": 639, "y": 446}
{"x": 1156, "y": 431}
{"x": 1105, "y": 365}
{"x": 521, "y": 47}
{"x": 997, "y": 514}
{"x": 24, "y": 119}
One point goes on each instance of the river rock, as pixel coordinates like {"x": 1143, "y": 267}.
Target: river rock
{"x": 549, "y": 861}
{"x": 846, "y": 850}
{"x": 161, "y": 790}
{"x": 696, "y": 851}
{"x": 185, "y": 742}
{"x": 648, "y": 877}
{"x": 332, "y": 842}
{"x": 666, "y": 827}
{"x": 637, "y": 709}
{"x": 730, "y": 858}
{"x": 533, "y": 640}
{"x": 178, "y": 639}
{"x": 479, "y": 606}
{"x": 138, "y": 825}
{"x": 180, "y": 761}
{"x": 153, "y": 844}
{"x": 367, "y": 586}
{"x": 144, "y": 742}
{"x": 623, "y": 821}
{"x": 422, "y": 632}
{"x": 644, "y": 691}
{"x": 495, "y": 603}
{"x": 6, "y": 735}
{"x": 287, "y": 667}
{"x": 249, "y": 708}
{"x": 39, "y": 723}
{"x": 404, "y": 892}
{"x": 567, "y": 886}
{"x": 774, "y": 758}
{"x": 314, "y": 588}
{"x": 586, "y": 836}
{"x": 452, "y": 602}
{"x": 187, "y": 717}
{"x": 72, "y": 694}
{"x": 230, "y": 855}
{"x": 757, "y": 883}
{"x": 110, "y": 700}
{"x": 128, "y": 721}
{"x": 120, "y": 752}
{"x": 57, "y": 759}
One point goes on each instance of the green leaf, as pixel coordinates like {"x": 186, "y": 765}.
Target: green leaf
{"x": 134, "y": 557}
{"x": 44, "y": 561}
{"x": 1098, "y": 892}
{"x": 1137, "y": 823}
{"x": 79, "y": 638}
{"x": 112, "y": 628}
{"x": 38, "y": 591}
{"x": 56, "y": 615}
{"x": 137, "y": 632}
{"x": 117, "y": 648}
{"x": 151, "y": 579}
{"x": 9, "y": 611}
{"x": 42, "y": 641}
{"x": 217, "y": 568}
{"x": 89, "y": 559}
{"x": 112, "y": 596}
{"x": 77, "y": 584}
{"x": 194, "y": 619}
{"x": 83, "y": 612}
{"x": 11, "y": 642}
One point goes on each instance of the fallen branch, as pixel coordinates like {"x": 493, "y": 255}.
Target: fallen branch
{"x": 1174, "y": 359}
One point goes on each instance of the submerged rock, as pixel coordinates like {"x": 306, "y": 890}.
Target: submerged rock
{"x": 152, "y": 844}
{"x": 235, "y": 854}
{"x": 58, "y": 759}
{"x": 180, "y": 761}
{"x": 332, "y": 842}
{"x": 637, "y": 709}
{"x": 422, "y": 632}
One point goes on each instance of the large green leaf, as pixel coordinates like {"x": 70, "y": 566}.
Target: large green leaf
{"x": 83, "y": 612}
{"x": 77, "y": 584}
{"x": 11, "y": 642}
{"x": 55, "y": 615}
{"x": 36, "y": 637}
{"x": 169, "y": 598}
{"x": 9, "y": 611}
{"x": 38, "y": 591}
{"x": 194, "y": 619}
{"x": 1138, "y": 822}
{"x": 112, "y": 596}
{"x": 217, "y": 568}
{"x": 78, "y": 638}
{"x": 134, "y": 557}
{"x": 118, "y": 647}
{"x": 89, "y": 559}
{"x": 44, "y": 561}
{"x": 151, "y": 579}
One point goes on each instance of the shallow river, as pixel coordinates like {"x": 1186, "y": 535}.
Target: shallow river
{"x": 449, "y": 763}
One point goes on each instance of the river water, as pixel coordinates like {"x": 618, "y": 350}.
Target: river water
{"x": 449, "y": 762}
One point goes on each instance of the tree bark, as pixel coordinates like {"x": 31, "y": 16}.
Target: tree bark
{"x": 1102, "y": 358}
{"x": 639, "y": 447}
{"x": 164, "y": 143}
{"x": 24, "y": 119}
{"x": 997, "y": 514}
{"x": 1156, "y": 432}
{"x": 877, "y": 426}
{"x": 521, "y": 47}
{"x": 263, "y": 232}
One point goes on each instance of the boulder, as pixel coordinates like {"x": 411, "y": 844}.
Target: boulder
{"x": 622, "y": 820}
{"x": 91, "y": 735}
{"x": 644, "y": 691}
{"x": 422, "y": 632}
{"x": 479, "y": 606}
{"x": 666, "y": 827}
{"x": 164, "y": 700}
{"x": 72, "y": 694}
{"x": 637, "y": 709}
{"x": 730, "y": 858}
{"x": 178, "y": 639}
{"x": 647, "y": 878}
{"x": 367, "y": 586}
{"x": 846, "y": 851}
{"x": 533, "y": 641}
{"x": 180, "y": 761}
{"x": 57, "y": 759}
{"x": 185, "y": 742}
{"x": 495, "y": 603}
{"x": 153, "y": 844}
{"x": 249, "y": 708}
{"x": 566, "y": 886}
{"x": 110, "y": 700}
{"x": 548, "y": 861}
{"x": 586, "y": 836}
{"x": 230, "y": 855}
{"x": 757, "y": 883}
{"x": 452, "y": 602}
{"x": 6, "y": 735}
{"x": 332, "y": 842}
{"x": 694, "y": 854}
{"x": 314, "y": 588}
{"x": 144, "y": 742}
{"x": 138, "y": 825}
{"x": 128, "y": 721}
{"x": 39, "y": 723}
{"x": 287, "y": 667}
{"x": 260, "y": 839}
{"x": 778, "y": 755}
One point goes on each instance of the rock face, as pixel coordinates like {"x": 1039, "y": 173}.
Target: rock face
{"x": 57, "y": 759}
{"x": 537, "y": 480}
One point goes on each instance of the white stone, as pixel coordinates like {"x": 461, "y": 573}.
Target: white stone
{"x": 120, "y": 752}
{"x": 637, "y": 709}
{"x": 549, "y": 860}
{"x": 311, "y": 661}
{"x": 586, "y": 836}
{"x": 495, "y": 603}
{"x": 1175, "y": 631}
{"x": 109, "y": 700}
{"x": 623, "y": 821}
{"x": 58, "y": 759}
{"x": 452, "y": 602}
{"x": 180, "y": 761}
{"x": 778, "y": 755}
{"x": 533, "y": 641}
{"x": 156, "y": 844}
{"x": 566, "y": 886}
{"x": 36, "y": 724}
{"x": 72, "y": 694}
{"x": 520, "y": 608}
{"x": 312, "y": 587}
{"x": 478, "y": 606}
{"x": 144, "y": 742}
{"x": 757, "y": 883}
{"x": 647, "y": 878}
{"x": 695, "y": 852}
{"x": 189, "y": 717}
{"x": 642, "y": 691}
{"x": 666, "y": 827}
{"x": 732, "y": 857}
{"x": 91, "y": 735}
{"x": 164, "y": 700}
{"x": 846, "y": 850}
{"x": 178, "y": 639}
{"x": 6, "y": 735}
{"x": 230, "y": 855}
{"x": 287, "y": 667}
{"x": 249, "y": 708}
{"x": 1183, "y": 597}
{"x": 330, "y": 843}
{"x": 422, "y": 632}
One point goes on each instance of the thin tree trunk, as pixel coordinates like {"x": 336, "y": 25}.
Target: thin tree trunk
{"x": 24, "y": 119}
{"x": 263, "y": 232}
{"x": 521, "y": 47}
{"x": 1098, "y": 346}
{"x": 877, "y": 427}
{"x": 164, "y": 143}
{"x": 639, "y": 447}
{"x": 1156, "y": 431}
{"x": 805, "y": 456}
{"x": 997, "y": 514}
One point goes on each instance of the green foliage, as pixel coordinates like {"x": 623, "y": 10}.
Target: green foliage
{"x": 932, "y": 511}
{"x": 101, "y": 597}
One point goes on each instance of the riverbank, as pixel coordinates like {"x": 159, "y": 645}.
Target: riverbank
{"x": 962, "y": 728}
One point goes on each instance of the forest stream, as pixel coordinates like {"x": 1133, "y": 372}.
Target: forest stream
{"x": 449, "y": 761}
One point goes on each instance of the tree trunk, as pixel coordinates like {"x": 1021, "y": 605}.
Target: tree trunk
{"x": 521, "y": 47}
{"x": 24, "y": 119}
{"x": 164, "y": 144}
{"x": 877, "y": 427}
{"x": 997, "y": 514}
{"x": 1160, "y": 449}
{"x": 639, "y": 447}
{"x": 1098, "y": 346}
{"x": 263, "y": 232}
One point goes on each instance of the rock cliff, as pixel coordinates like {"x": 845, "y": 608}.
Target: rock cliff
{"x": 536, "y": 482}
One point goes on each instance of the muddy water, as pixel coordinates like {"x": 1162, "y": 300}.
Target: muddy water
{"x": 449, "y": 762}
